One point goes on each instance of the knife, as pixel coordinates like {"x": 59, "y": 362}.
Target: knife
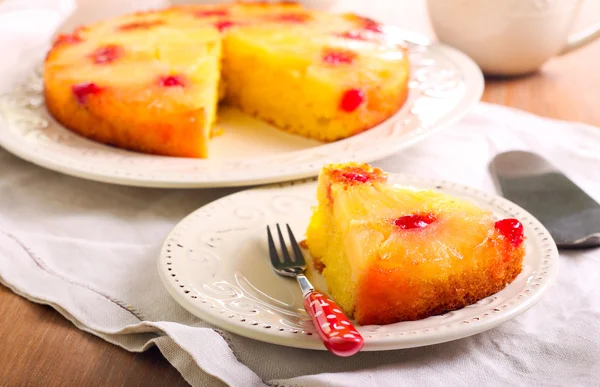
{"x": 571, "y": 216}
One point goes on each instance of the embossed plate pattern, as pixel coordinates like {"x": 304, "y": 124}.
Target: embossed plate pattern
{"x": 444, "y": 84}
{"x": 215, "y": 264}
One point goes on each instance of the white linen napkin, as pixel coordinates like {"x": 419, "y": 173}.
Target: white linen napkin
{"x": 89, "y": 250}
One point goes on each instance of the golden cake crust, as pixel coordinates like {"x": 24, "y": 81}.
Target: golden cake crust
{"x": 340, "y": 75}
{"x": 127, "y": 125}
{"x": 385, "y": 297}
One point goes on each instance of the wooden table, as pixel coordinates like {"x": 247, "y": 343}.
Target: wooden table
{"x": 40, "y": 348}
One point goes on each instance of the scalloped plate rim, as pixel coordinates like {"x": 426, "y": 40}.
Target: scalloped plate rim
{"x": 541, "y": 237}
{"x": 473, "y": 90}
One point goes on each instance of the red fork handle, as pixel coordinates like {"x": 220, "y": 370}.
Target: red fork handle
{"x": 335, "y": 330}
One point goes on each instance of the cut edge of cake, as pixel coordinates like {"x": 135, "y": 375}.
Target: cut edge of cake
{"x": 159, "y": 100}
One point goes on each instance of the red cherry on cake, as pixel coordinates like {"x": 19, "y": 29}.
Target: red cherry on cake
{"x": 211, "y": 12}
{"x": 371, "y": 25}
{"x": 107, "y": 54}
{"x": 412, "y": 221}
{"x": 83, "y": 90}
{"x": 352, "y": 175}
{"x": 355, "y": 177}
{"x": 223, "y": 25}
{"x": 351, "y": 100}
{"x": 374, "y": 27}
{"x": 337, "y": 57}
{"x": 171, "y": 81}
{"x": 354, "y": 35}
{"x": 512, "y": 230}
{"x": 141, "y": 25}
{"x": 68, "y": 39}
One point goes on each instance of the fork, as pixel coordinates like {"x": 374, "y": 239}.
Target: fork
{"x": 335, "y": 330}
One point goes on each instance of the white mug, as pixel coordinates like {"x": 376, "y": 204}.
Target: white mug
{"x": 509, "y": 37}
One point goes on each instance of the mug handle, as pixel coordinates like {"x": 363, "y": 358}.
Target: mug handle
{"x": 580, "y": 39}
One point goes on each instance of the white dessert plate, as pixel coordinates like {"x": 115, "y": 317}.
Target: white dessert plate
{"x": 215, "y": 263}
{"x": 444, "y": 84}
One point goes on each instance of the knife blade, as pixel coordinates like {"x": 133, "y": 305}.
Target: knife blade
{"x": 571, "y": 215}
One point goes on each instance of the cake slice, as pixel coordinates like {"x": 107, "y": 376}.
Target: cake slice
{"x": 392, "y": 253}
{"x": 155, "y": 93}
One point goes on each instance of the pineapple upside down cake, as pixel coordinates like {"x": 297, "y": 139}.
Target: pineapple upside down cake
{"x": 391, "y": 253}
{"x": 151, "y": 81}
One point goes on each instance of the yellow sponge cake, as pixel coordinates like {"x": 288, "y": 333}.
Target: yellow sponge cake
{"x": 392, "y": 253}
{"x": 151, "y": 81}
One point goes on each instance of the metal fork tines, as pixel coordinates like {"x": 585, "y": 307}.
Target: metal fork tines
{"x": 286, "y": 264}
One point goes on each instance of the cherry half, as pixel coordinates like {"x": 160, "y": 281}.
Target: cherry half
{"x": 141, "y": 25}
{"x": 211, "y": 13}
{"x": 225, "y": 24}
{"x": 351, "y": 100}
{"x": 412, "y": 221}
{"x": 338, "y": 57}
{"x": 512, "y": 230}
{"x": 171, "y": 81}
{"x": 83, "y": 90}
{"x": 355, "y": 174}
{"x": 68, "y": 39}
{"x": 107, "y": 54}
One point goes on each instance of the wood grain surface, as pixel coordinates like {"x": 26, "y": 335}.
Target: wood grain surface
{"x": 40, "y": 348}
{"x": 566, "y": 88}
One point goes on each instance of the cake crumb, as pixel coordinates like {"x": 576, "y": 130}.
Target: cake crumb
{"x": 216, "y": 131}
